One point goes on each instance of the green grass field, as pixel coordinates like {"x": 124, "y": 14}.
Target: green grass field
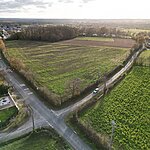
{"x": 95, "y": 39}
{"x": 128, "y": 105}
{"x": 37, "y": 141}
{"x": 131, "y": 31}
{"x": 7, "y": 113}
{"x": 54, "y": 65}
{"x": 144, "y": 58}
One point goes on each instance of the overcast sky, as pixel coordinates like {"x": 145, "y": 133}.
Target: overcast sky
{"x": 75, "y": 9}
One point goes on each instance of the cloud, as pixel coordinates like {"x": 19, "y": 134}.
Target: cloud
{"x": 86, "y": 1}
{"x": 66, "y": 1}
{"x": 19, "y": 4}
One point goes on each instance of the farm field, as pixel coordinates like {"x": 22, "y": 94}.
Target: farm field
{"x": 94, "y": 39}
{"x": 128, "y": 105}
{"x": 144, "y": 58}
{"x": 55, "y": 65}
{"x": 132, "y": 31}
{"x": 99, "y": 41}
{"x": 37, "y": 141}
{"x": 6, "y": 114}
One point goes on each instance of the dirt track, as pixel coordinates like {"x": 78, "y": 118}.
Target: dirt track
{"x": 124, "y": 43}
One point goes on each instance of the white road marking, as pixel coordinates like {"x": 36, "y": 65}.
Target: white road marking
{"x": 22, "y": 85}
{"x": 30, "y": 93}
{"x": 26, "y": 89}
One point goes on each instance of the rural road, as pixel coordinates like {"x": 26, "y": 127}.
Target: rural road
{"x": 47, "y": 117}
{"x": 64, "y": 112}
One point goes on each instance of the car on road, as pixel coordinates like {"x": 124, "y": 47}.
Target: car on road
{"x": 9, "y": 70}
{"x": 96, "y": 91}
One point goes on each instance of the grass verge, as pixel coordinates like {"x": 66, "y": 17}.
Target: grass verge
{"x": 41, "y": 140}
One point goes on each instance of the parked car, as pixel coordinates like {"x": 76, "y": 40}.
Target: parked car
{"x": 96, "y": 90}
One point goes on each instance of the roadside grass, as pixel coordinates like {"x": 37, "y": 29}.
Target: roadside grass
{"x": 37, "y": 141}
{"x": 6, "y": 114}
{"x": 80, "y": 133}
{"x": 55, "y": 65}
{"x": 1, "y": 80}
{"x": 95, "y": 39}
{"x": 128, "y": 105}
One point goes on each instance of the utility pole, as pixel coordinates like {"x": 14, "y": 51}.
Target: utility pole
{"x": 105, "y": 86}
{"x": 99, "y": 75}
{"x": 0, "y": 124}
{"x": 113, "y": 124}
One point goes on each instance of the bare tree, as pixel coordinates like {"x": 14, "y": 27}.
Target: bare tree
{"x": 74, "y": 86}
{"x": 2, "y": 45}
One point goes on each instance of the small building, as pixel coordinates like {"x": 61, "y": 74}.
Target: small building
{"x": 95, "y": 35}
{"x": 83, "y": 34}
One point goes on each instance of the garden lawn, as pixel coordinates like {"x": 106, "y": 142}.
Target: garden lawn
{"x": 7, "y": 113}
{"x": 128, "y": 104}
{"x": 54, "y": 65}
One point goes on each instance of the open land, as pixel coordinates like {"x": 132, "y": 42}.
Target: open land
{"x": 136, "y": 31}
{"x": 37, "y": 141}
{"x": 128, "y": 105}
{"x": 144, "y": 58}
{"x": 96, "y": 41}
{"x": 54, "y": 65}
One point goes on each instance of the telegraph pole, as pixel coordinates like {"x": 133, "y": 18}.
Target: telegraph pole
{"x": 113, "y": 124}
{"x": 105, "y": 86}
{"x": 0, "y": 124}
{"x": 99, "y": 75}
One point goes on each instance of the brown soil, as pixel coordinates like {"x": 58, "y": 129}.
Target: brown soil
{"x": 124, "y": 43}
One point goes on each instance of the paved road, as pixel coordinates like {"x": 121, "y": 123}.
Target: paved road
{"x": 48, "y": 117}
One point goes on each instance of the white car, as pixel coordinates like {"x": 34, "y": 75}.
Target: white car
{"x": 96, "y": 91}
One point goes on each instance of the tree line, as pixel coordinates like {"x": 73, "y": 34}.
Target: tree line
{"x": 48, "y": 33}
{"x": 53, "y": 33}
{"x": 102, "y": 31}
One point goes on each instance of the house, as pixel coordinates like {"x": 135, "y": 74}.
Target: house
{"x": 95, "y": 35}
{"x": 5, "y": 34}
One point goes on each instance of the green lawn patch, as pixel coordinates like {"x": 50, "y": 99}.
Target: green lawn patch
{"x": 6, "y": 115}
{"x": 37, "y": 141}
{"x": 95, "y": 39}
